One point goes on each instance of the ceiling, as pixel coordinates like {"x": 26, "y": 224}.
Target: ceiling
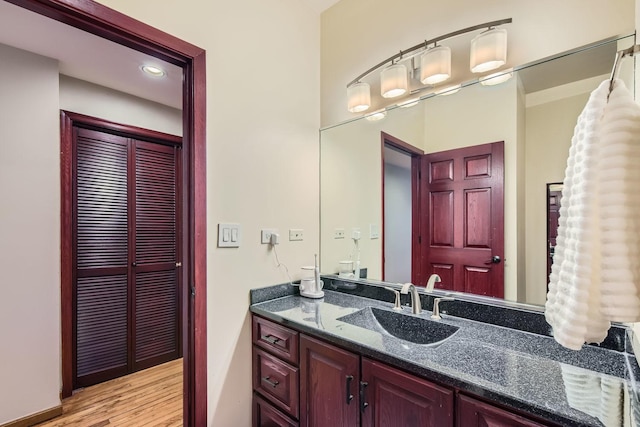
{"x": 320, "y": 6}
{"x": 88, "y": 57}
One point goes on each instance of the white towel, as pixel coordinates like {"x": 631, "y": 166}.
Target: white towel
{"x": 600, "y": 396}
{"x": 595, "y": 277}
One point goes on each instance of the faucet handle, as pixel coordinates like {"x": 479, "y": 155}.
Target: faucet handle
{"x": 396, "y": 305}
{"x": 436, "y": 306}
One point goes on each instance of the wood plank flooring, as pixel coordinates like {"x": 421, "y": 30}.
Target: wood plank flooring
{"x": 148, "y": 398}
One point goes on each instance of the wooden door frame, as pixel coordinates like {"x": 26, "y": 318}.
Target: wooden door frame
{"x": 414, "y": 153}
{"x": 102, "y": 21}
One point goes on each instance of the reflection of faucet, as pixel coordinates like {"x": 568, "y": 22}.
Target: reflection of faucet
{"x": 416, "y": 307}
{"x": 432, "y": 282}
{"x": 396, "y": 305}
{"x": 436, "y": 307}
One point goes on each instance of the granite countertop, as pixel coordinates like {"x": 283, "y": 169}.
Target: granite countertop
{"x": 529, "y": 372}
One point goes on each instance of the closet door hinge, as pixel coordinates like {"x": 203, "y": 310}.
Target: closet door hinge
{"x": 193, "y": 291}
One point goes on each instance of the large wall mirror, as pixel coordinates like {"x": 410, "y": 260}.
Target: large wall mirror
{"x": 383, "y": 196}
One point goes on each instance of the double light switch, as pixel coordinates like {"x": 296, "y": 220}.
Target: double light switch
{"x": 229, "y": 235}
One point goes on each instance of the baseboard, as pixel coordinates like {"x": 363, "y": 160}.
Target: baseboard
{"x": 33, "y": 419}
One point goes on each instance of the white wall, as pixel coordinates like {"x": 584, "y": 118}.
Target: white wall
{"x": 87, "y": 98}
{"x": 356, "y": 34}
{"x": 397, "y": 218}
{"x": 550, "y": 120}
{"x": 351, "y": 185}
{"x": 462, "y": 120}
{"x": 30, "y": 234}
{"x": 263, "y": 83}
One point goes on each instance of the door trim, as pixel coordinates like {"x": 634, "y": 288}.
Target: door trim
{"x": 102, "y": 21}
{"x": 414, "y": 153}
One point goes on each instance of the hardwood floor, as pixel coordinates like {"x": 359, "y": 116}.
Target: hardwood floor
{"x": 148, "y": 398}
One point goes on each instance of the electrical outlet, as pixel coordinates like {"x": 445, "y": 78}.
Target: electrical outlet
{"x": 338, "y": 233}
{"x": 296, "y": 234}
{"x": 265, "y": 235}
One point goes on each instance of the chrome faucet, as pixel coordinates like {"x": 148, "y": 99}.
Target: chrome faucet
{"x": 432, "y": 282}
{"x": 416, "y": 307}
{"x": 436, "y": 307}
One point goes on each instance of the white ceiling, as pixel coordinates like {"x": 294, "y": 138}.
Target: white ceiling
{"x": 88, "y": 57}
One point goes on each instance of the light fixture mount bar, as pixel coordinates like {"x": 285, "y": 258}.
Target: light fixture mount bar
{"x": 425, "y": 43}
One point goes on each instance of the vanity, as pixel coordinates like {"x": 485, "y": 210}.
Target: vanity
{"x": 349, "y": 359}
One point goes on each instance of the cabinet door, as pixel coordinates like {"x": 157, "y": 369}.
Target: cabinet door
{"x": 395, "y": 398}
{"x": 329, "y": 379}
{"x": 472, "y": 412}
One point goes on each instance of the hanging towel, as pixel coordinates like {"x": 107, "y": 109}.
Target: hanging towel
{"x": 600, "y": 396}
{"x": 595, "y": 276}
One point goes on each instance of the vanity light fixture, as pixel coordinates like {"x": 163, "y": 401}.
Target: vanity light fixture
{"x": 449, "y": 90}
{"x": 376, "y": 115}
{"x": 153, "y": 70}
{"x": 359, "y": 97}
{"x": 496, "y": 78}
{"x": 488, "y": 52}
{"x": 435, "y": 65}
{"x": 411, "y": 102}
{"x": 393, "y": 81}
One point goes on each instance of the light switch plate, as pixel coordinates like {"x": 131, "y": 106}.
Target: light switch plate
{"x": 229, "y": 235}
{"x": 374, "y": 231}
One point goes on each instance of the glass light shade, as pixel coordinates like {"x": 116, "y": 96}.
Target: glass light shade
{"x": 376, "y": 115}
{"x": 409, "y": 103}
{"x": 449, "y": 90}
{"x": 489, "y": 50}
{"x": 393, "y": 81}
{"x": 435, "y": 65}
{"x": 496, "y": 78}
{"x": 358, "y": 97}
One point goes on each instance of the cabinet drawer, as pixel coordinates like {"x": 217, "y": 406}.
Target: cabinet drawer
{"x": 276, "y": 380}
{"x": 276, "y": 339}
{"x": 266, "y": 415}
{"x": 472, "y": 412}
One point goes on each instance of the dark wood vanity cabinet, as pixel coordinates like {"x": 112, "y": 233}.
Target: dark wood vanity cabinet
{"x": 329, "y": 384}
{"x": 299, "y": 380}
{"x": 396, "y": 398}
{"x": 472, "y": 412}
{"x": 275, "y": 375}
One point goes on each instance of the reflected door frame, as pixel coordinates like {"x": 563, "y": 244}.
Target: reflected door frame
{"x": 97, "y": 19}
{"x": 415, "y": 154}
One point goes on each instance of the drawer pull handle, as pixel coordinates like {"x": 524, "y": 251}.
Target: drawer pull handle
{"x": 271, "y": 339}
{"x": 363, "y": 403}
{"x": 349, "y": 395}
{"x": 268, "y": 380}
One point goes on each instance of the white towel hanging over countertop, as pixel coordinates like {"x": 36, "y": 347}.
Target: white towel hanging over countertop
{"x": 595, "y": 277}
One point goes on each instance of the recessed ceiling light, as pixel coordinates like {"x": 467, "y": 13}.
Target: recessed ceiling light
{"x": 153, "y": 70}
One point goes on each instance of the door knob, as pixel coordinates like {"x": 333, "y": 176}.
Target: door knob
{"x": 494, "y": 260}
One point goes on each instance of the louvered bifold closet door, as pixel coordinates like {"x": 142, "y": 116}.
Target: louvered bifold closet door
{"x": 157, "y": 308}
{"x": 101, "y": 261}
